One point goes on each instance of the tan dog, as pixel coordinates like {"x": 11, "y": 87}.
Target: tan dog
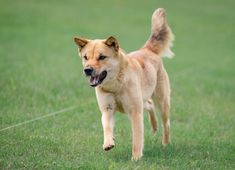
{"x": 130, "y": 83}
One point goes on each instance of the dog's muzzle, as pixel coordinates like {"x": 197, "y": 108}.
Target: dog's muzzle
{"x": 95, "y": 79}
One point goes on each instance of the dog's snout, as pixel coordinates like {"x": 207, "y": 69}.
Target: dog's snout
{"x": 88, "y": 71}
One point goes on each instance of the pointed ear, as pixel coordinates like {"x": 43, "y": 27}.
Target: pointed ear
{"x": 81, "y": 42}
{"x": 112, "y": 43}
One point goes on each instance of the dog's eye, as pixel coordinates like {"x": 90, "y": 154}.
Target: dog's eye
{"x": 85, "y": 57}
{"x": 102, "y": 57}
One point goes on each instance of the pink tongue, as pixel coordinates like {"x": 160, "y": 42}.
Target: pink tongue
{"x": 94, "y": 80}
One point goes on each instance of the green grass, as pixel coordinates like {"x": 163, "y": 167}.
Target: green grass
{"x": 40, "y": 72}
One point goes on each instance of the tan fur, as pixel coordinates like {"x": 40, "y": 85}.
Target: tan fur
{"x": 134, "y": 82}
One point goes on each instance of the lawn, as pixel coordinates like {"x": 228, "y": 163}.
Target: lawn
{"x": 40, "y": 73}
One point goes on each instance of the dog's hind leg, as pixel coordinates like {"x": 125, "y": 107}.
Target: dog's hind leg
{"x": 161, "y": 98}
{"x": 149, "y": 106}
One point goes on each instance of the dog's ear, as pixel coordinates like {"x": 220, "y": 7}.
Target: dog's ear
{"x": 81, "y": 42}
{"x": 112, "y": 43}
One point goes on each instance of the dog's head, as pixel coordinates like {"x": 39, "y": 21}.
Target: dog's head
{"x": 99, "y": 58}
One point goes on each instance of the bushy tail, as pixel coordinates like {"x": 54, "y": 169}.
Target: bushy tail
{"x": 161, "y": 36}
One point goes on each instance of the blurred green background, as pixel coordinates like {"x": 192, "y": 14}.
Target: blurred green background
{"x": 40, "y": 72}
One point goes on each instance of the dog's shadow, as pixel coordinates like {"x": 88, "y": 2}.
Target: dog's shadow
{"x": 161, "y": 155}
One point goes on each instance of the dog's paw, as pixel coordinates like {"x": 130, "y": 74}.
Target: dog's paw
{"x": 136, "y": 157}
{"x": 108, "y": 146}
{"x": 165, "y": 142}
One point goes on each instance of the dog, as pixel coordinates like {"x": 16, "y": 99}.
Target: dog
{"x": 130, "y": 83}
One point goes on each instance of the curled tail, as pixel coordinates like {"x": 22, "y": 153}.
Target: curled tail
{"x": 161, "y": 36}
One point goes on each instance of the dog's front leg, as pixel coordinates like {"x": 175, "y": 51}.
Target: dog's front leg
{"x": 137, "y": 134}
{"x": 108, "y": 124}
{"x": 107, "y": 107}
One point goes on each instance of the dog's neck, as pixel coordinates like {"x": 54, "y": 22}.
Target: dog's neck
{"x": 115, "y": 85}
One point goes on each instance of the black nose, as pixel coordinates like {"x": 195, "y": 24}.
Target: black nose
{"x": 88, "y": 71}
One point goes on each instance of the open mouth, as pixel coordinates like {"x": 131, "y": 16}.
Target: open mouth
{"x": 97, "y": 79}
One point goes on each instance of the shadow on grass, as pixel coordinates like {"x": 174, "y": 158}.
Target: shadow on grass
{"x": 178, "y": 155}
{"x": 151, "y": 153}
